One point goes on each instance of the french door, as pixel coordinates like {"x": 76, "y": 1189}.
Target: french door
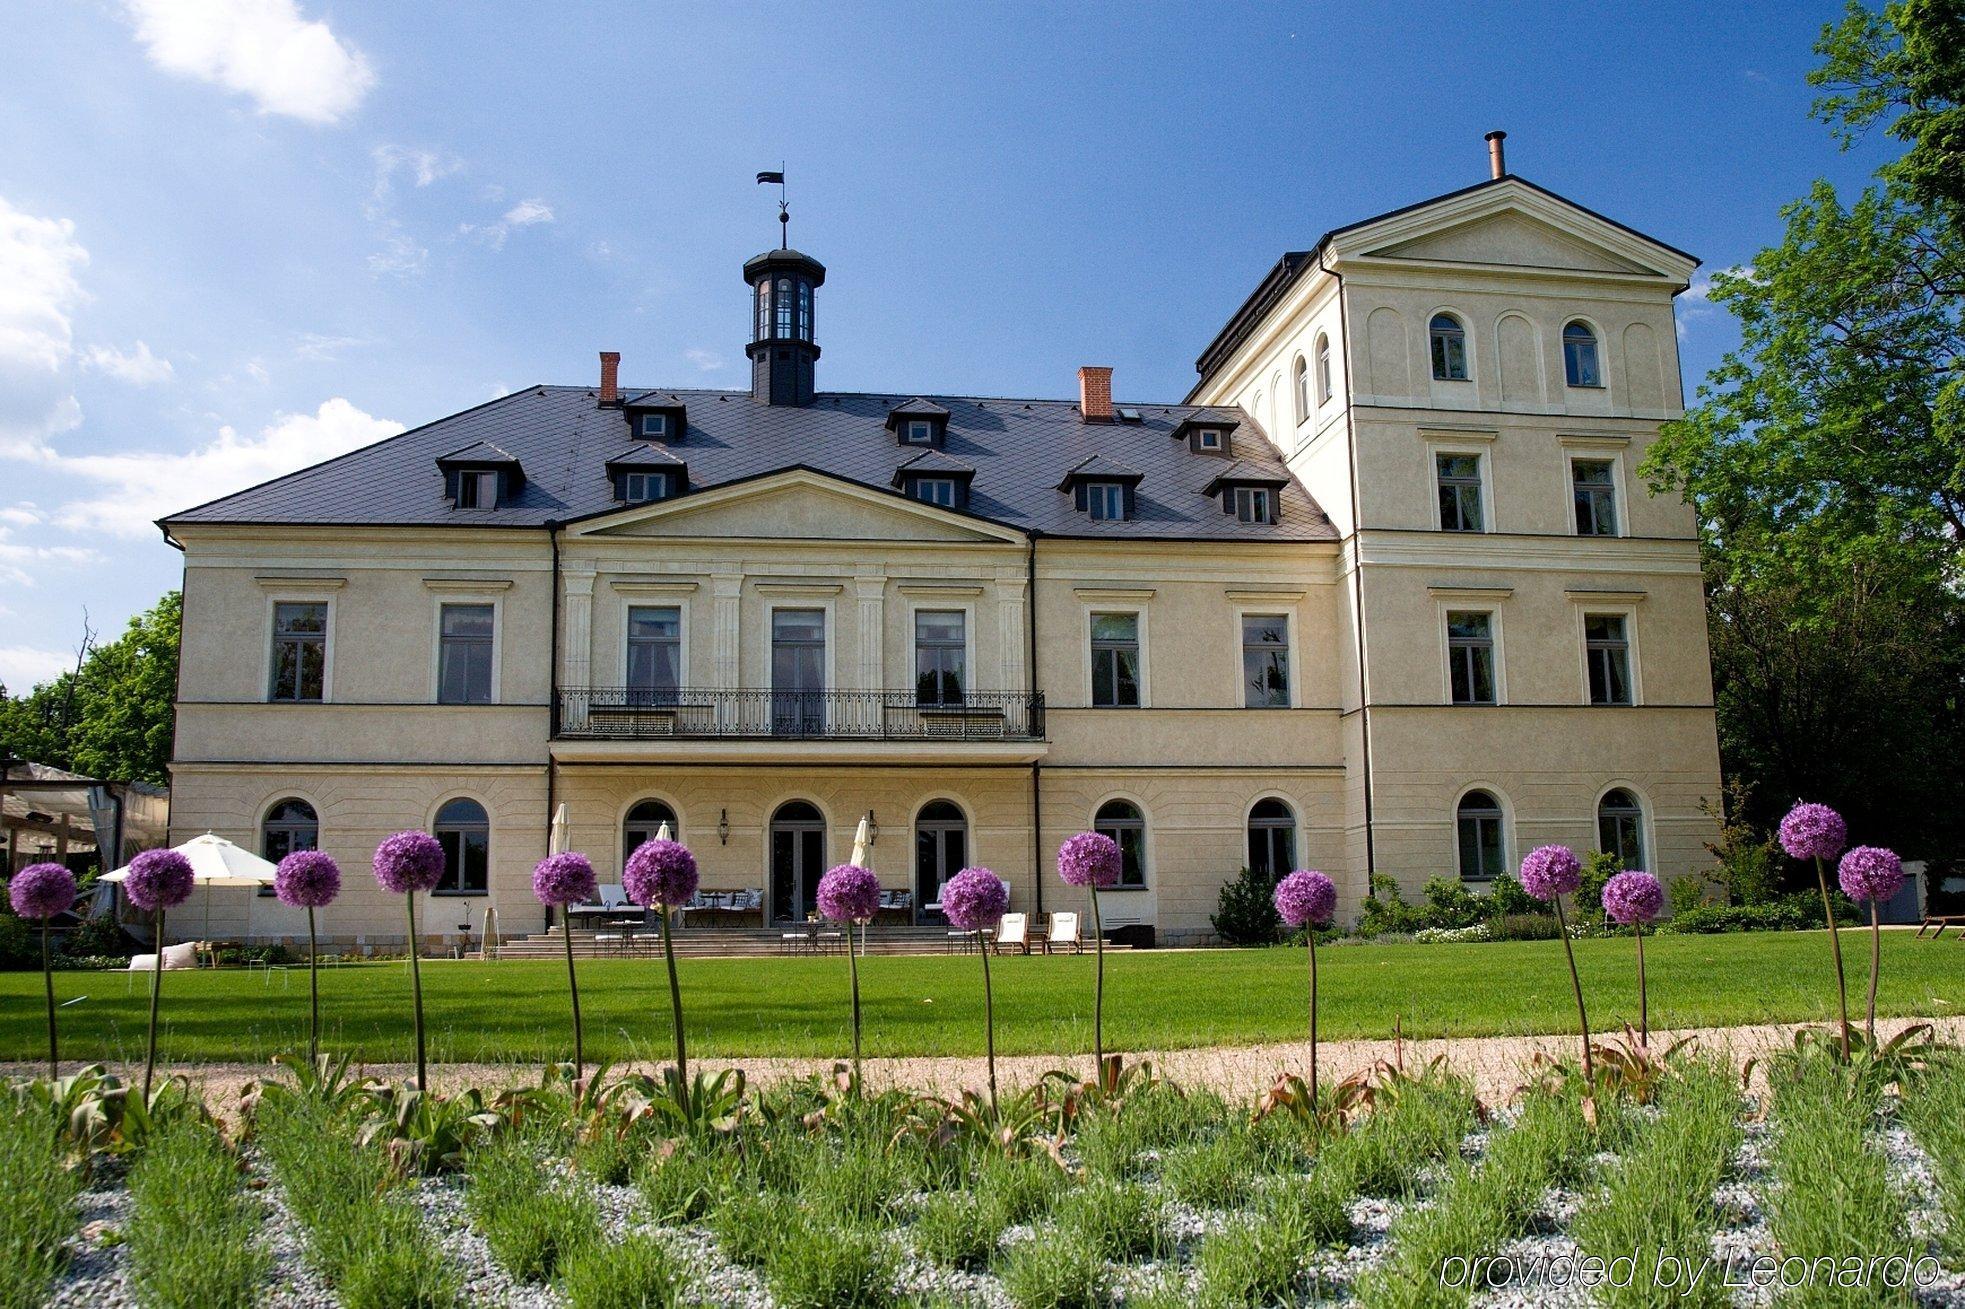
{"x": 798, "y": 672}
{"x": 798, "y": 860}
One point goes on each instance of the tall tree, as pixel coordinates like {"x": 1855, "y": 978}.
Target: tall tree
{"x": 1826, "y": 458}
{"x": 113, "y": 716}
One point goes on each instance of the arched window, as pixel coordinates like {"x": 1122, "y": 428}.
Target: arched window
{"x": 1579, "y": 355}
{"x": 1272, "y": 839}
{"x": 941, "y": 850}
{"x": 1123, "y": 822}
{"x": 289, "y": 825}
{"x": 643, "y": 822}
{"x": 1301, "y": 373}
{"x": 1620, "y": 827}
{"x": 763, "y": 310}
{"x": 1479, "y": 821}
{"x": 1449, "y": 348}
{"x": 465, "y": 833}
{"x": 784, "y": 306}
{"x": 1323, "y": 370}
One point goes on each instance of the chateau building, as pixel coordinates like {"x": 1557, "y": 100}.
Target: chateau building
{"x": 1384, "y": 594}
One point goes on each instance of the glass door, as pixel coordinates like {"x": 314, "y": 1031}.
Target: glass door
{"x": 798, "y": 672}
{"x": 798, "y": 855}
{"x": 941, "y": 850}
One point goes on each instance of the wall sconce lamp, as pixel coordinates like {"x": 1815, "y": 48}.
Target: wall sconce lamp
{"x": 723, "y": 827}
{"x": 873, "y": 828}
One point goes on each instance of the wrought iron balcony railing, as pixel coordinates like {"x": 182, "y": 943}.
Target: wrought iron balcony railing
{"x": 633, "y": 713}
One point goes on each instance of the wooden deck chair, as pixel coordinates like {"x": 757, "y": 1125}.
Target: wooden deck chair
{"x": 1063, "y": 932}
{"x": 1013, "y": 933}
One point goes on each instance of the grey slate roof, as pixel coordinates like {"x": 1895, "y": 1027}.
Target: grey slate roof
{"x": 930, "y": 462}
{"x": 644, "y": 454}
{"x": 1020, "y": 450}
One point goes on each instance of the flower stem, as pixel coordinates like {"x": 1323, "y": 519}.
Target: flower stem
{"x": 1835, "y": 949}
{"x": 1576, "y": 983}
{"x": 313, "y": 994}
{"x": 1644, "y": 1002}
{"x": 989, "y": 1023}
{"x": 416, "y": 989}
{"x": 1310, "y": 935}
{"x": 1098, "y": 993}
{"x": 1875, "y": 964}
{"x": 48, "y": 978}
{"x": 675, "y": 1002}
{"x": 156, "y": 989}
{"x": 573, "y": 989}
{"x": 853, "y": 975}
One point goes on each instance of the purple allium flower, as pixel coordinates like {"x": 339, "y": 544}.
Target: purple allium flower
{"x": 307, "y": 879}
{"x": 975, "y": 898}
{"x": 660, "y": 873}
{"x": 159, "y": 879}
{"x": 1306, "y": 897}
{"x": 1869, "y": 872}
{"x": 849, "y": 894}
{"x": 41, "y": 890}
{"x": 1090, "y": 859}
{"x": 1814, "y": 831}
{"x": 1634, "y": 897}
{"x": 409, "y": 861}
{"x": 1551, "y": 870}
{"x": 564, "y": 879}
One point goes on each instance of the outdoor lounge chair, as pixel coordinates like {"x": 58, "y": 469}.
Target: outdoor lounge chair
{"x": 1063, "y": 932}
{"x": 1013, "y": 933}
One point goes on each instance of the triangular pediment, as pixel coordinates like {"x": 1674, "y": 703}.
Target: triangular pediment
{"x": 1512, "y": 224}
{"x": 798, "y": 504}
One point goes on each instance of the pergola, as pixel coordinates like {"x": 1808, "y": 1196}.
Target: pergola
{"x": 48, "y": 813}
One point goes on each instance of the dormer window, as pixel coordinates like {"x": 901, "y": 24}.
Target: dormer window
{"x": 1206, "y": 434}
{"x": 641, "y": 488}
{"x": 941, "y": 491}
{"x": 1106, "y": 501}
{"x": 1207, "y": 438}
{"x": 1255, "y": 504}
{"x": 477, "y": 490}
{"x": 919, "y": 422}
{"x": 918, "y": 431}
{"x": 654, "y": 427}
{"x": 657, "y": 416}
{"x": 934, "y": 477}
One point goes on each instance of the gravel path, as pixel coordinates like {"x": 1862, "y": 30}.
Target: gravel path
{"x": 98, "y": 1271}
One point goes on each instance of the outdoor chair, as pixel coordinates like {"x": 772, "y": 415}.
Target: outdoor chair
{"x": 1013, "y": 933}
{"x": 610, "y": 943}
{"x": 1062, "y": 932}
{"x": 1942, "y": 921}
{"x": 796, "y": 941}
{"x": 645, "y": 942}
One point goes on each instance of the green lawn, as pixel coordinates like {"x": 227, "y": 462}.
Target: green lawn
{"x": 933, "y": 1005}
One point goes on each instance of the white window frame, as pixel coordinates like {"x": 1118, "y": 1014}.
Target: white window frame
{"x": 1207, "y": 438}
{"x": 824, "y": 605}
{"x": 1598, "y": 340}
{"x": 641, "y": 427}
{"x": 478, "y": 478}
{"x": 274, "y": 598}
{"x": 1466, "y": 343}
{"x": 1292, "y": 646}
{"x": 1588, "y": 607}
{"x": 1325, "y": 369}
{"x": 496, "y": 600}
{"x": 1507, "y": 808}
{"x": 917, "y": 484}
{"x": 627, "y": 487}
{"x": 1484, "y": 468}
{"x": 1469, "y": 605}
{"x": 917, "y": 431}
{"x": 1647, "y": 833}
{"x": 1236, "y": 498}
{"x": 677, "y": 602}
{"x": 1601, "y": 455}
{"x": 1139, "y": 614}
{"x": 1146, "y": 824}
{"x": 967, "y": 608}
{"x": 1095, "y": 488}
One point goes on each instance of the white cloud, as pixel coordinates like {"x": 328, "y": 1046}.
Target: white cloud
{"x": 23, "y": 667}
{"x": 398, "y": 257}
{"x": 138, "y": 367}
{"x": 39, "y": 291}
{"x": 526, "y": 213}
{"x": 318, "y": 347}
{"x": 400, "y": 254}
{"x": 706, "y": 361}
{"x": 22, "y": 514}
{"x": 261, "y": 48}
{"x": 20, "y": 562}
{"x": 137, "y": 487}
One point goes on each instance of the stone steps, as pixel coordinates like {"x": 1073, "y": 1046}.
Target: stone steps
{"x": 731, "y": 943}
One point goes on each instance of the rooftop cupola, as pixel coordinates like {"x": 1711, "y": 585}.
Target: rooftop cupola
{"x": 782, "y": 348}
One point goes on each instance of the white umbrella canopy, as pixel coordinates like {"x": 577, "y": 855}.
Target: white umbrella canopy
{"x": 860, "y": 843}
{"x": 557, "y": 844}
{"x": 216, "y": 861}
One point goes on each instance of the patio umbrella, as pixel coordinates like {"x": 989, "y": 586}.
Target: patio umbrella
{"x": 860, "y": 843}
{"x": 216, "y": 861}
{"x": 557, "y": 843}
{"x": 663, "y": 833}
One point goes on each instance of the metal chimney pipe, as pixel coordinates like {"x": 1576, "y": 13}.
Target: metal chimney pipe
{"x": 1497, "y": 159}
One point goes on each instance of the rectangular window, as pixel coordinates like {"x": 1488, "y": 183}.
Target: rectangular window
{"x": 1607, "y": 647}
{"x": 1595, "y": 484}
{"x": 299, "y": 652}
{"x": 1115, "y": 661}
{"x": 464, "y": 654}
{"x": 477, "y": 490}
{"x": 920, "y": 432}
{"x": 934, "y": 490}
{"x": 654, "y": 653}
{"x": 1470, "y": 657}
{"x": 940, "y": 656}
{"x": 1255, "y": 504}
{"x": 1105, "y": 501}
{"x": 1266, "y": 661}
{"x": 467, "y": 860}
{"x": 640, "y": 488}
{"x": 1208, "y": 438}
{"x": 1460, "y": 492}
{"x": 655, "y": 425}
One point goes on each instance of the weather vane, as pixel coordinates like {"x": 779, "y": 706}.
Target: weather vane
{"x": 784, "y": 209}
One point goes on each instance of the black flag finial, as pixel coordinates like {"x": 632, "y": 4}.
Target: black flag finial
{"x": 784, "y": 210}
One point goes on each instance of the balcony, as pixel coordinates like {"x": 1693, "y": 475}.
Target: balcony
{"x": 619, "y": 713}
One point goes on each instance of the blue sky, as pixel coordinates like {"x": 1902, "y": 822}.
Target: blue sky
{"x": 237, "y": 236}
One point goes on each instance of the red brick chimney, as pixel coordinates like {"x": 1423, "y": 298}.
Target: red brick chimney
{"x": 610, "y": 377}
{"x": 1095, "y": 394}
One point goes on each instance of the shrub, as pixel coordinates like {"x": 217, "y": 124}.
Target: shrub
{"x": 1790, "y": 913}
{"x": 1452, "y": 903}
{"x": 20, "y": 945}
{"x": 1507, "y": 895}
{"x": 1386, "y": 911}
{"x": 1246, "y": 914}
{"x": 1598, "y": 868}
{"x": 1524, "y": 927}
